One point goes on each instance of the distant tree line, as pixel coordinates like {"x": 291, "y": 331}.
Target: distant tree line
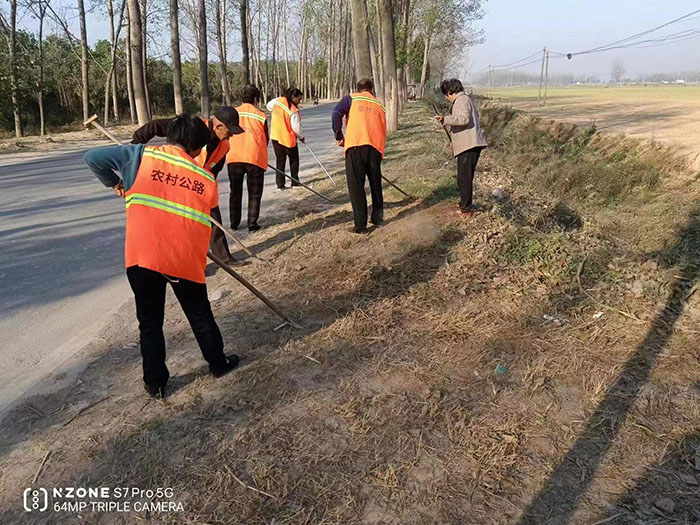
{"x": 165, "y": 57}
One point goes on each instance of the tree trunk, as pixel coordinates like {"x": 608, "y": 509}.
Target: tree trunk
{"x": 40, "y": 87}
{"x": 129, "y": 72}
{"x": 360, "y": 39}
{"x": 84, "y": 66}
{"x": 258, "y": 68}
{"x": 390, "y": 80}
{"x": 286, "y": 51}
{"x": 244, "y": 42}
{"x": 221, "y": 39}
{"x": 144, "y": 52}
{"x": 376, "y": 66}
{"x": 175, "y": 50}
{"x": 112, "y": 74}
{"x": 108, "y": 82}
{"x": 424, "y": 70}
{"x": 203, "y": 60}
{"x": 400, "y": 72}
{"x": 136, "y": 44}
{"x": 380, "y": 52}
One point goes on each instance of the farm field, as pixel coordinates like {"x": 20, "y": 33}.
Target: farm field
{"x": 667, "y": 113}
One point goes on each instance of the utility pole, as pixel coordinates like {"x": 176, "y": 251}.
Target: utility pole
{"x": 489, "y": 82}
{"x": 544, "y": 57}
{"x": 546, "y": 79}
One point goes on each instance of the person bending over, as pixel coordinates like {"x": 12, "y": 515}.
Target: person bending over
{"x": 222, "y": 125}
{"x": 168, "y": 201}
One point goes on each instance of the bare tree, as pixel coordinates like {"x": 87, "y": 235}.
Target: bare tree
{"x": 144, "y": 51}
{"x": 390, "y": 80}
{"x": 203, "y": 59}
{"x": 286, "y": 50}
{"x": 129, "y": 72}
{"x": 221, "y": 39}
{"x": 11, "y": 32}
{"x": 38, "y": 9}
{"x": 137, "y": 70}
{"x": 244, "y": 41}
{"x": 175, "y": 49}
{"x": 360, "y": 39}
{"x": 112, "y": 74}
{"x": 84, "y": 63}
{"x": 617, "y": 72}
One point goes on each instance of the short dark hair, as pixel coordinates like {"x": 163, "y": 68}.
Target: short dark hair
{"x": 365, "y": 84}
{"x": 189, "y": 132}
{"x": 250, "y": 94}
{"x": 292, "y": 92}
{"x": 451, "y": 86}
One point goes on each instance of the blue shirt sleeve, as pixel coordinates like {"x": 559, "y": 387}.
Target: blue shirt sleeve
{"x": 342, "y": 108}
{"x": 109, "y": 162}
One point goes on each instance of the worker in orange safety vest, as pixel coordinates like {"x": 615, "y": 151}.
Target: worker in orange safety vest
{"x": 364, "y": 141}
{"x": 247, "y": 157}
{"x": 223, "y": 125}
{"x": 285, "y": 130}
{"x": 168, "y": 201}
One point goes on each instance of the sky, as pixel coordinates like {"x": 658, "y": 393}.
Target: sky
{"x": 517, "y": 28}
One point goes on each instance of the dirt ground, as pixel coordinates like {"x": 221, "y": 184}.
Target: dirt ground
{"x": 534, "y": 364}
{"x": 667, "y": 113}
{"x": 13, "y": 149}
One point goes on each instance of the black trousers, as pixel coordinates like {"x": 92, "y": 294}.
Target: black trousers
{"x": 281, "y": 154}
{"x": 255, "y": 184}
{"x": 466, "y": 166}
{"x": 364, "y": 162}
{"x": 149, "y": 290}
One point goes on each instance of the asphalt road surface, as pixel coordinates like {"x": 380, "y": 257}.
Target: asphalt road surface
{"x": 62, "y": 254}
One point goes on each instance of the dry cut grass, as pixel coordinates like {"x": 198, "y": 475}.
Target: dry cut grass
{"x": 533, "y": 364}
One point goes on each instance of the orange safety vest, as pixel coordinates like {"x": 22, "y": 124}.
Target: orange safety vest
{"x": 249, "y": 147}
{"x": 167, "y": 214}
{"x": 366, "y": 123}
{"x": 282, "y": 122}
{"x": 219, "y": 153}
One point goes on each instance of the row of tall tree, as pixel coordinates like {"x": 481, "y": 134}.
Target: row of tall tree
{"x": 165, "y": 57}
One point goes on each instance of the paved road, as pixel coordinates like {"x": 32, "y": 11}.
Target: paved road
{"x": 61, "y": 254}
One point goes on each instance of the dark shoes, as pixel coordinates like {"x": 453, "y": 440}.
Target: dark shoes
{"x": 355, "y": 229}
{"x": 378, "y": 218}
{"x": 159, "y": 391}
{"x": 253, "y": 227}
{"x": 155, "y": 391}
{"x": 232, "y": 361}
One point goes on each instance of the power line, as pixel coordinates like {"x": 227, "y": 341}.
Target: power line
{"x": 536, "y": 53}
{"x": 624, "y": 43}
{"x": 617, "y": 44}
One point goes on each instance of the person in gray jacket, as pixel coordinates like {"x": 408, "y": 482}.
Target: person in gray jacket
{"x": 466, "y": 136}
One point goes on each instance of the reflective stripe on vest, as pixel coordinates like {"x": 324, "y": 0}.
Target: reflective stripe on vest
{"x": 366, "y": 123}
{"x": 282, "y": 123}
{"x": 168, "y": 224}
{"x": 249, "y": 147}
{"x": 169, "y": 206}
{"x": 219, "y": 153}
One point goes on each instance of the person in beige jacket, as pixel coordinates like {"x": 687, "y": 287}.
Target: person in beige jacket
{"x": 466, "y": 136}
